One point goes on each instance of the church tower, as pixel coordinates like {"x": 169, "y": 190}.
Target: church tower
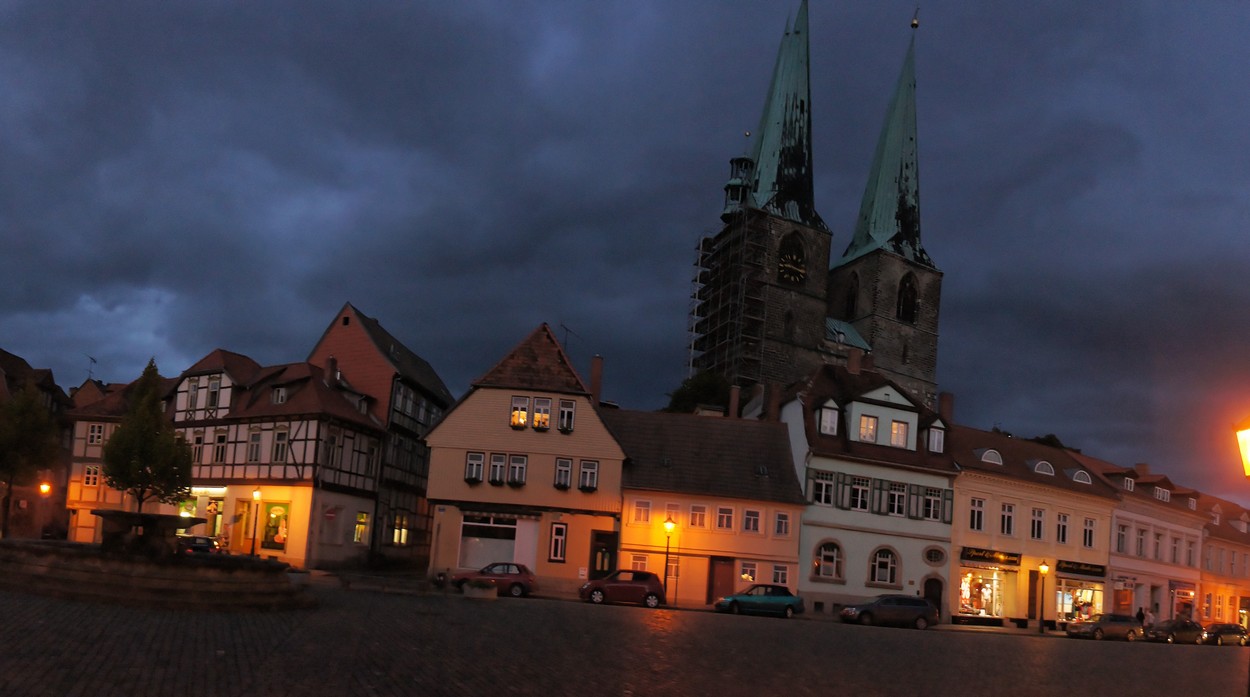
{"x": 760, "y": 291}
{"x": 885, "y": 285}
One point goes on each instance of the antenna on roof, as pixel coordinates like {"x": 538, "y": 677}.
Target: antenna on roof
{"x": 567, "y": 331}
{"x": 90, "y": 366}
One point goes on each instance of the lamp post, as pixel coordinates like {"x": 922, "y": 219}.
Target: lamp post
{"x": 1042, "y": 570}
{"x": 1243, "y": 444}
{"x": 255, "y": 516}
{"x": 668, "y": 536}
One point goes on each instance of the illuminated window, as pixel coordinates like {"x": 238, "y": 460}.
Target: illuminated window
{"x": 898, "y": 434}
{"x": 520, "y": 412}
{"x": 400, "y": 535}
{"x": 564, "y": 473}
{"x": 566, "y": 415}
{"x": 360, "y": 534}
{"x": 559, "y": 542}
{"x": 542, "y": 413}
{"x": 868, "y": 429}
{"x": 588, "y": 477}
{"x": 828, "y": 561}
{"x": 748, "y": 571}
{"x": 473, "y": 465}
{"x": 95, "y": 434}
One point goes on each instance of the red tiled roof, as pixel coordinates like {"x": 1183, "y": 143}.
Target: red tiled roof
{"x": 537, "y": 363}
{"x": 1020, "y": 457}
{"x": 240, "y": 368}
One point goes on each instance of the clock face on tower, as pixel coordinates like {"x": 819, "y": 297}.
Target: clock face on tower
{"x": 790, "y": 268}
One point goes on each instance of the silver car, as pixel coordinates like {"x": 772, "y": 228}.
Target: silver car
{"x": 897, "y": 610}
{"x": 1106, "y": 626}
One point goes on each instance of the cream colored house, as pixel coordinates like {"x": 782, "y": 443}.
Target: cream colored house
{"x": 523, "y": 469}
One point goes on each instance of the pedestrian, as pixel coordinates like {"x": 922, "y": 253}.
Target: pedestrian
{"x": 1141, "y": 616}
{"x": 1149, "y": 619}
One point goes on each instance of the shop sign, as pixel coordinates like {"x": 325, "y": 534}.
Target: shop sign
{"x": 989, "y": 556}
{"x": 1080, "y": 568}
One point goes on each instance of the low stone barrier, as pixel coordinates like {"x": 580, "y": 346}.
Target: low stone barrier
{"x": 194, "y": 582}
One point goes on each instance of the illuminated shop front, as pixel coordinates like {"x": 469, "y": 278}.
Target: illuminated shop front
{"x": 1079, "y": 589}
{"x": 1182, "y": 598}
{"x": 987, "y": 582}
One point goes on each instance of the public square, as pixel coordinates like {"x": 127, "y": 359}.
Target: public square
{"x": 367, "y": 643}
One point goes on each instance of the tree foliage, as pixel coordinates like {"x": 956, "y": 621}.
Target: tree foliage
{"x": 145, "y": 457}
{"x": 29, "y": 441}
{"x": 700, "y": 388}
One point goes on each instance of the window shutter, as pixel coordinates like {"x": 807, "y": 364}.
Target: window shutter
{"x": 878, "y": 496}
{"x": 915, "y": 501}
{"x": 842, "y": 492}
{"x": 948, "y": 505}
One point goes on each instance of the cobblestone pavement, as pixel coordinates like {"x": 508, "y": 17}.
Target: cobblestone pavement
{"x": 371, "y": 644}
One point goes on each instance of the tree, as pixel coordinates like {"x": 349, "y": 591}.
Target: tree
{"x": 29, "y": 441}
{"x": 700, "y": 388}
{"x": 145, "y": 457}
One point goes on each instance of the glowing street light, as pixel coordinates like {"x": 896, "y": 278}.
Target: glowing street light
{"x": 45, "y": 488}
{"x": 256, "y": 498}
{"x": 1042, "y": 569}
{"x": 668, "y": 536}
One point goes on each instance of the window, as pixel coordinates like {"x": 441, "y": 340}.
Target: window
{"x": 559, "y": 542}
{"x": 399, "y": 535}
{"x": 896, "y": 499}
{"x": 517, "y": 464}
{"x": 1007, "y": 523}
{"x": 937, "y": 440}
{"x": 724, "y": 518}
{"x": 672, "y": 511}
{"x": 214, "y": 392}
{"x": 868, "y": 429}
{"x": 360, "y": 534}
{"x": 566, "y": 415}
{"x": 748, "y": 571}
{"x": 219, "y": 448}
{"x": 1081, "y": 477}
{"x": 279, "y": 446}
{"x": 1158, "y": 540}
{"x": 1189, "y": 553}
{"x": 884, "y": 567}
{"x": 1141, "y": 542}
{"x": 278, "y": 396}
{"x": 976, "y": 517}
{"x": 1061, "y": 528}
{"x": 1087, "y": 536}
{"x": 564, "y": 473}
{"x": 672, "y": 570}
{"x": 932, "y": 504}
{"x": 992, "y": 457}
{"x": 197, "y": 449}
{"x": 253, "y": 446}
{"x": 91, "y": 475}
{"x": 907, "y": 300}
{"x": 95, "y": 434}
{"x": 750, "y": 521}
{"x": 822, "y": 488}
{"x": 1163, "y": 494}
{"x": 698, "y": 516}
{"x": 1128, "y": 484}
{"x": 828, "y": 561}
{"x": 781, "y": 525}
{"x": 473, "y": 464}
{"x": 193, "y": 392}
{"x": 828, "y": 419}
{"x": 542, "y": 413}
{"x": 1036, "y": 523}
{"x": 498, "y": 466}
{"x": 781, "y": 574}
{"x": 1044, "y": 467}
{"x": 898, "y": 434}
{"x": 1121, "y": 539}
{"x": 1176, "y": 550}
{"x": 859, "y": 493}
{"x": 638, "y": 562}
{"x": 588, "y": 476}
{"x": 642, "y": 512}
{"x": 520, "y": 412}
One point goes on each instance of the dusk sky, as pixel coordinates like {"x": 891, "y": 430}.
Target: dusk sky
{"x": 180, "y": 177}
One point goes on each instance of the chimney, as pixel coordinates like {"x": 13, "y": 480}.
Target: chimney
{"x": 1142, "y": 469}
{"x": 735, "y": 393}
{"x": 596, "y": 378}
{"x": 868, "y": 362}
{"x": 946, "y": 407}
{"x": 332, "y": 371}
{"x": 854, "y": 360}
{"x": 772, "y": 402}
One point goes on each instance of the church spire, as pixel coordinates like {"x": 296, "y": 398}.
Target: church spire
{"x": 889, "y": 215}
{"x": 778, "y": 176}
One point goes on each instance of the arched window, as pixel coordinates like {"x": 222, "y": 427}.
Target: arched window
{"x": 884, "y": 567}
{"x": 992, "y": 457}
{"x": 1082, "y": 477}
{"x": 828, "y": 561}
{"x": 851, "y": 309}
{"x": 907, "y": 300}
{"x": 1044, "y": 467}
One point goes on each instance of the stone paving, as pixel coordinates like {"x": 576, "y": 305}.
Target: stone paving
{"x": 366, "y": 643}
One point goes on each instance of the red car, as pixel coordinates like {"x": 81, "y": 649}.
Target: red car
{"x": 624, "y": 586}
{"x": 510, "y": 578}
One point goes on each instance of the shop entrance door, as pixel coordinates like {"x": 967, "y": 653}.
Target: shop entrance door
{"x": 602, "y": 553}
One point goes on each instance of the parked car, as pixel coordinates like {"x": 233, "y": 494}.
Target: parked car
{"x": 1176, "y": 632}
{"x": 197, "y": 544}
{"x": 1221, "y": 634}
{"x": 898, "y": 610}
{"x": 625, "y": 587}
{"x": 509, "y": 577}
{"x": 1106, "y": 626}
{"x": 763, "y": 599}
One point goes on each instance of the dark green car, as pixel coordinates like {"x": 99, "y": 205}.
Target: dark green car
{"x": 762, "y": 599}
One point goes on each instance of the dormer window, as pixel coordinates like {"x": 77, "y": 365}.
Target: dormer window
{"x": 898, "y": 434}
{"x": 868, "y": 429}
{"x": 542, "y": 413}
{"x": 279, "y": 395}
{"x": 193, "y": 391}
{"x": 1044, "y": 467}
{"x": 362, "y": 405}
{"x": 1128, "y": 484}
{"x": 1081, "y": 477}
{"x": 827, "y": 419}
{"x": 520, "y": 412}
{"x": 992, "y": 457}
{"x": 1163, "y": 494}
{"x": 1193, "y": 504}
{"x": 937, "y": 440}
{"x": 214, "y": 392}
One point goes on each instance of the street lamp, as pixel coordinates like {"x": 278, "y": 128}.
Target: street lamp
{"x": 1042, "y": 570}
{"x": 668, "y": 536}
{"x": 1243, "y": 443}
{"x": 256, "y": 498}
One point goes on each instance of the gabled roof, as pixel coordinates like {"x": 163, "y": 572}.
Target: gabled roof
{"x": 538, "y": 363}
{"x": 114, "y": 404}
{"x": 407, "y": 363}
{"x": 1144, "y": 483}
{"x": 240, "y": 368}
{"x": 307, "y": 393}
{"x": 16, "y": 373}
{"x": 889, "y": 214}
{"x": 1231, "y": 515}
{"x": 705, "y": 455}
{"x": 1020, "y": 456}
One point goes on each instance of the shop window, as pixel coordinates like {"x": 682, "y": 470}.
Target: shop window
{"x": 360, "y": 533}
{"x": 275, "y": 520}
{"x": 980, "y": 592}
{"x": 828, "y": 562}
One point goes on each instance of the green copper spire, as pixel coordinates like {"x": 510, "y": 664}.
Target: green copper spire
{"x": 889, "y": 215}
{"x": 782, "y": 149}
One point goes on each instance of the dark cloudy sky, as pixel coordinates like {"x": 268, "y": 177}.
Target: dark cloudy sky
{"x": 181, "y": 176}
